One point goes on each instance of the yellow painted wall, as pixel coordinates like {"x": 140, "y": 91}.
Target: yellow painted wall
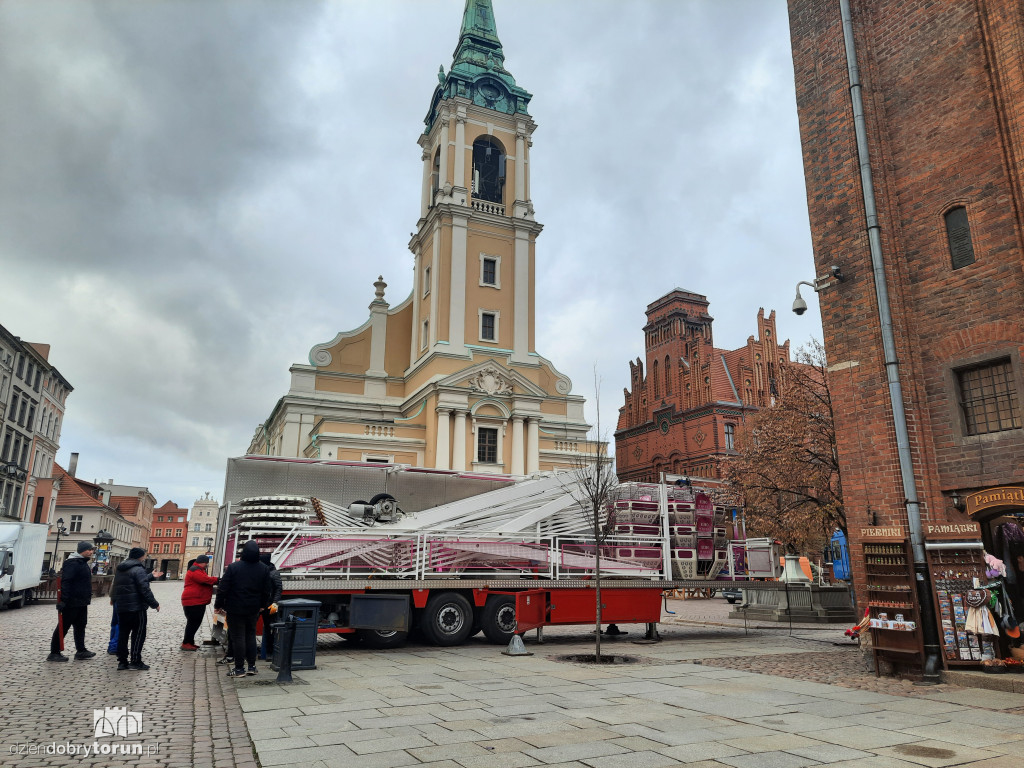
{"x": 341, "y": 385}
{"x": 351, "y": 354}
{"x": 396, "y": 350}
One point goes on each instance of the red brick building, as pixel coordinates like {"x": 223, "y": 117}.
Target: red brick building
{"x": 167, "y": 539}
{"x": 688, "y": 399}
{"x": 943, "y": 98}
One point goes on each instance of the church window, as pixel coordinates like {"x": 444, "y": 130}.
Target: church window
{"x": 668, "y": 376}
{"x": 488, "y": 170}
{"x": 958, "y": 235}
{"x": 488, "y": 326}
{"x": 435, "y": 176}
{"x": 489, "y": 271}
{"x": 988, "y": 398}
{"x": 425, "y": 334}
{"x": 487, "y": 445}
{"x": 657, "y": 384}
{"x": 426, "y": 281}
{"x": 730, "y": 437}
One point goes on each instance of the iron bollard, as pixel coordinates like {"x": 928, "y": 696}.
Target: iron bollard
{"x": 287, "y": 640}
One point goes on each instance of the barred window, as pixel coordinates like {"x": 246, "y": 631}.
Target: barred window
{"x": 988, "y": 397}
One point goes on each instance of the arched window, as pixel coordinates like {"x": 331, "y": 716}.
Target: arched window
{"x": 657, "y": 384}
{"x": 488, "y": 170}
{"x": 668, "y": 376}
{"x": 958, "y": 235}
{"x": 435, "y": 176}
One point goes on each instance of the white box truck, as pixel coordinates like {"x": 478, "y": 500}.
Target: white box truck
{"x": 22, "y": 546}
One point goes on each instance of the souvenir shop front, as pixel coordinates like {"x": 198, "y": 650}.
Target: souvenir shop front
{"x": 977, "y": 573}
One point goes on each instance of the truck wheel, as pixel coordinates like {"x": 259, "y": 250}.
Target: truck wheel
{"x": 19, "y": 601}
{"x": 382, "y": 638}
{"x": 447, "y": 619}
{"x": 499, "y": 619}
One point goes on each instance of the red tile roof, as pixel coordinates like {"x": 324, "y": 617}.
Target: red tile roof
{"x": 74, "y": 492}
{"x": 126, "y": 505}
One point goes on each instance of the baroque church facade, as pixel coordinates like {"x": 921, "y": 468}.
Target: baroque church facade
{"x": 450, "y": 377}
{"x": 688, "y": 399}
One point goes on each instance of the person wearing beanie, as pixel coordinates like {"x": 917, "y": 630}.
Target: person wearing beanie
{"x": 73, "y": 603}
{"x": 197, "y": 594}
{"x": 244, "y": 590}
{"x": 132, "y": 598}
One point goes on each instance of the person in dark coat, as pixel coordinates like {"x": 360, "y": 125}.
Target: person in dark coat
{"x": 73, "y": 606}
{"x": 244, "y": 590}
{"x": 267, "y": 644}
{"x": 197, "y": 594}
{"x": 132, "y": 597}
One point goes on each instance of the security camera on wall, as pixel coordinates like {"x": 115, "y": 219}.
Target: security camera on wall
{"x": 799, "y": 305}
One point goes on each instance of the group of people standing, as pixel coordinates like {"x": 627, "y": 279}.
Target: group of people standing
{"x": 249, "y": 585}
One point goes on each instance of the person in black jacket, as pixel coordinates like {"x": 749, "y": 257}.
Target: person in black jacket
{"x": 277, "y": 586}
{"x": 132, "y": 597}
{"x": 244, "y": 590}
{"x": 73, "y": 606}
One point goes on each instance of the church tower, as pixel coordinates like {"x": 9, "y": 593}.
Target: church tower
{"x": 450, "y": 378}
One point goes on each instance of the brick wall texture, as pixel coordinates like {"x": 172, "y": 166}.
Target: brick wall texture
{"x": 943, "y": 90}
{"x": 686, "y": 393}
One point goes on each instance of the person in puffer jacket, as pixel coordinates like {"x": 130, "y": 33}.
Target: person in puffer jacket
{"x": 197, "y": 594}
{"x": 132, "y": 597}
{"x": 244, "y": 590}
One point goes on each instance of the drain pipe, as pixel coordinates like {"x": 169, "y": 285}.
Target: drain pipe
{"x": 892, "y": 373}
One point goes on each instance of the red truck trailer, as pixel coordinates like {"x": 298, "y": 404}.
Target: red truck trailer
{"x": 390, "y": 549}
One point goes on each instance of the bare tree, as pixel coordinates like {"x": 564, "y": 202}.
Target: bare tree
{"x": 787, "y": 469}
{"x": 593, "y": 487}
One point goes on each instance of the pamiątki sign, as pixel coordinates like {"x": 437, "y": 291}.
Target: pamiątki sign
{"x": 993, "y": 498}
{"x": 952, "y": 531}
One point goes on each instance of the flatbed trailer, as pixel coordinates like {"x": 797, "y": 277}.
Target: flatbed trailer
{"x": 509, "y": 557}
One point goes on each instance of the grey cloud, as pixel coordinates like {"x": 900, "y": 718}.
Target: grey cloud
{"x": 204, "y": 190}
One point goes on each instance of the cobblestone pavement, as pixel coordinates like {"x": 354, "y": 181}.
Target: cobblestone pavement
{"x": 191, "y": 714}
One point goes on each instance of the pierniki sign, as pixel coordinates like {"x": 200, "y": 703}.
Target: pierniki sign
{"x": 883, "y": 532}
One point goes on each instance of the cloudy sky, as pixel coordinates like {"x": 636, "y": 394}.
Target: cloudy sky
{"x": 195, "y": 192}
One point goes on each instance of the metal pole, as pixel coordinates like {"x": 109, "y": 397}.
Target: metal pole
{"x": 284, "y": 673}
{"x": 899, "y": 417}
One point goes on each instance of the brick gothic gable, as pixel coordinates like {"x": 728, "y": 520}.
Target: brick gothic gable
{"x": 686, "y": 392}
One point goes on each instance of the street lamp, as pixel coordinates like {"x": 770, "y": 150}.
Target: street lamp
{"x": 61, "y": 531}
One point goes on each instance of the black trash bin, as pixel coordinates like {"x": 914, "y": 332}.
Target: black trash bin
{"x": 306, "y": 616}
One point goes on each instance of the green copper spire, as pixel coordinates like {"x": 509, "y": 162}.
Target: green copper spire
{"x": 478, "y": 68}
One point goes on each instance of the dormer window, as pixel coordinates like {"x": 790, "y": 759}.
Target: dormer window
{"x": 488, "y": 170}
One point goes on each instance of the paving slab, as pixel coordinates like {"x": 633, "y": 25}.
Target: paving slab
{"x": 973, "y": 736}
{"x": 862, "y": 737}
{"x": 768, "y": 760}
{"x": 935, "y": 754}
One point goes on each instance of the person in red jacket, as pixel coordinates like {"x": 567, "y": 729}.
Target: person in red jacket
{"x": 197, "y": 594}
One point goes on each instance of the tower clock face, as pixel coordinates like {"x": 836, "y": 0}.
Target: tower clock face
{"x": 489, "y": 92}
